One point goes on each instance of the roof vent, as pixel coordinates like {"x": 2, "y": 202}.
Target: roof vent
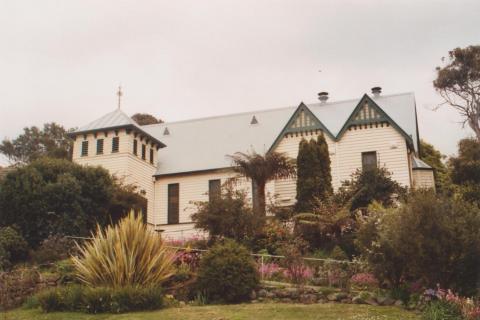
{"x": 323, "y": 96}
{"x": 166, "y": 132}
{"x": 254, "y": 120}
{"x": 376, "y": 91}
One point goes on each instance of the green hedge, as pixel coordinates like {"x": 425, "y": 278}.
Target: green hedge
{"x": 100, "y": 300}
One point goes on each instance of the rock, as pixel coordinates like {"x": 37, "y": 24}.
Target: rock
{"x": 307, "y": 298}
{"x": 286, "y": 300}
{"x": 358, "y": 300}
{"x": 262, "y": 293}
{"x": 293, "y": 293}
{"x": 398, "y": 303}
{"x": 337, "y": 296}
{"x": 281, "y": 293}
{"x": 270, "y": 295}
{"x": 371, "y": 301}
{"x": 385, "y": 301}
{"x": 253, "y": 295}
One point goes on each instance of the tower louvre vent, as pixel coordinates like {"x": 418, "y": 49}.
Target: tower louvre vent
{"x": 166, "y": 132}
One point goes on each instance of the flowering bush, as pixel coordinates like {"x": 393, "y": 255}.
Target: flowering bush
{"x": 298, "y": 273}
{"x": 364, "y": 281}
{"x": 470, "y": 309}
{"x": 268, "y": 270}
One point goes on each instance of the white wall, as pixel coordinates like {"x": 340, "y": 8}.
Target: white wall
{"x": 423, "y": 179}
{"x": 123, "y": 164}
{"x": 346, "y": 156}
{"x": 194, "y": 187}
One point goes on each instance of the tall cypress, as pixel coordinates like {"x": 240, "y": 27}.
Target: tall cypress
{"x": 324, "y": 185}
{"x": 314, "y": 179}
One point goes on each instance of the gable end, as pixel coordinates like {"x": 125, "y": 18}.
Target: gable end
{"x": 302, "y": 120}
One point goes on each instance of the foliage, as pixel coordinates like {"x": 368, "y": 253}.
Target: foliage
{"x": 13, "y": 248}
{"x": 262, "y": 168}
{"x": 145, "y": 119}
{"x": 125, "y": 254}
{"x": 54, "y": 196}
{"x": 442, "y": 310}
{"x": 364, "y": 281}
{"x": 466, "y": 167}
{"x": 429, "y": 238}
{"x": 434, "y": 158}
{"x": 227, "y": 216}
{"x": 465, "y": 170}
{"x": 101, "y": 299}
{"x": 325, "y": 226}
{"x": 458, "y": 82}
{"x": 227, "y": 273}
{"x": 272, "y": 236}
{"x": 314, "y": 178}
{"x": 54, "y": 248}
{"x": 451, "y": 304}
{"x": 367, "y": 186}
{"x": 36, "y": 143}
{"x": 295, "y": 269}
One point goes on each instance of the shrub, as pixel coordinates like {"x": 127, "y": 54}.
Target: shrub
{"x": 101, "y": 299}
{"x": 13, "y": 248}
{"x": 51, "y": 300}
{"x": 130, "y": 299}
{"x": 338, "y": 254}
{"x": 227, "y": 216}
{"x": 442, "y": 310}
{"x": 227, "y": 273}
{"x": 54, "y": 248}
{"x": 428, "y": 238}
{"x": 368, "y": 186}
{"x": 123, "y": 255}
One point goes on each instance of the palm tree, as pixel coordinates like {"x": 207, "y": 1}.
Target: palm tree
{"x": 262, "y": 169}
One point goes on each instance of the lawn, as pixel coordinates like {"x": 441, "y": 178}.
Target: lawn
{"x": 259, "y": 311}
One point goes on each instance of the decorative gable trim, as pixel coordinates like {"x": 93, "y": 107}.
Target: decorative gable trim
{"x": 368, "y": 112}
{"x": 302, "y": 120}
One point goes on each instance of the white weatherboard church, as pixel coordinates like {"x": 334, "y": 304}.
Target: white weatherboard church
{"x": 174, "y": 164}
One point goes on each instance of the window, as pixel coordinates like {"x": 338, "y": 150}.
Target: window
{"x": 135, "y": 147}
{"x": 84, "y": 151}
{"x": 144, "y": 151}
{"x": 214, "y": 190}
{"x": 173, "y": 203}
{"x": 115, "y": 144}
{"x": 151, "y": 156}
{"x": 100, "y": 146}
{"x": 369, "y": 160}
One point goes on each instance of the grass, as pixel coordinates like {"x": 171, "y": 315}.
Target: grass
{"x": 259, "y": 311}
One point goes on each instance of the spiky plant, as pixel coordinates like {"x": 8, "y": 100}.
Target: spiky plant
{"x": 262, "y": 168}
{"x": 127, "y": 254}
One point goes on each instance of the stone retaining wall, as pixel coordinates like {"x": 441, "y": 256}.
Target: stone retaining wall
{"x": 16, "y": 286}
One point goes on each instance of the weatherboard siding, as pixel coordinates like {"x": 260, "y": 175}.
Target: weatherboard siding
{"x": 423, "y": 179}
{"x": 193, "y": 187}
{"x": 346, "y": 156}
{"x": 123, "y": 164}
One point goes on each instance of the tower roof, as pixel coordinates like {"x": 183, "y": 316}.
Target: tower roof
{"x": 114, "y": 120}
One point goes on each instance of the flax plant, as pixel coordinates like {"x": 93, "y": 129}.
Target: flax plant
{"x": 127, "y": 254}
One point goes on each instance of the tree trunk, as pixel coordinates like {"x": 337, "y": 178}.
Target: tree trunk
{"x": 474, "y": 122}
{"x": 258, "y": 199}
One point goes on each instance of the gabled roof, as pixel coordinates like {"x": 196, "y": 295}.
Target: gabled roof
{"x": 114, "y": 120}
{"x": 202, "y": 144}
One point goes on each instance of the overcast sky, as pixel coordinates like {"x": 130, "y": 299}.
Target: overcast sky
{"x": 63, "y": 60}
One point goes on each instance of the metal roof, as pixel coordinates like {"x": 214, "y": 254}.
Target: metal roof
{"x": 202, "y": 144}
{"x": 420, "y": 164}
{"x": 112, "y": 120}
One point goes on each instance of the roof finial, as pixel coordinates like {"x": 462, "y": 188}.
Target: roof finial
{"x": 119, "y": 94}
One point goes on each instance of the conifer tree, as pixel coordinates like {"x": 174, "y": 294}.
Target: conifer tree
{"x": 314, "y": 179}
